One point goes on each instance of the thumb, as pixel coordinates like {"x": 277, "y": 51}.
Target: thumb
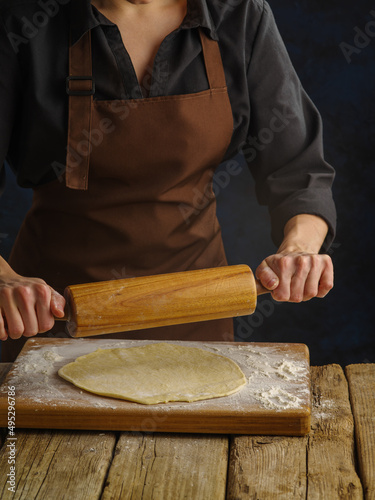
{"x": 57, "y": 304}
{"x": 267, "y": 276}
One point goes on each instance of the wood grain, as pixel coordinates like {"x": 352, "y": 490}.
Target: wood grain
{"x": 168, "y": 467}
{"x": 165, "y": 299}
{"x": 48, "y": 401}
{"x": 4, "y": 369}
{"x": 58, "y": 465}
{"x": 89, "y": 465}
{"x": 330, "y": 450}
{"x": 361, "y": 380}
{"x": 318, "y": 466}
{"x": 267, "y": 468}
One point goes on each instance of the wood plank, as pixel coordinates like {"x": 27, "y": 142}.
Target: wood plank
{"x": 330, "y": 451}
{"x": 271, "y": 468}
{"x": 267, "y": 468}
{"x": 168, "y": 467}
{"x": 45, "y": 400}
{"x": 361, "y": 380}
{"x": 64, "y": 465}
{"x": 4, "y": 369}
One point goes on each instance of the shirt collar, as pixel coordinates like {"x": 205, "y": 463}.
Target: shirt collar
{"x": 198, "y": 16}
{"x": 83, "y": 18}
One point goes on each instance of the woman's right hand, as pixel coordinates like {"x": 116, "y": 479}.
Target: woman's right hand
{"x": 27, "y": 305}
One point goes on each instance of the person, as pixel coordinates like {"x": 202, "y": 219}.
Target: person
{"x": 117, "y": 113}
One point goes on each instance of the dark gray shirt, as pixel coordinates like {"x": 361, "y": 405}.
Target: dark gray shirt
{"x": 275, "y": 123}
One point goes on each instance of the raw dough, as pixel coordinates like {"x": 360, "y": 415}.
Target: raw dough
{"x": 155, "y": 373}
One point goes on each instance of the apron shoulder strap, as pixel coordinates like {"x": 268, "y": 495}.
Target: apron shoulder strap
{"x": 80, "y": 87}
{"x": 213, "y": 62}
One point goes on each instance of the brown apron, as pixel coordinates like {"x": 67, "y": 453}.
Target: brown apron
{"x": 137, "y": 198}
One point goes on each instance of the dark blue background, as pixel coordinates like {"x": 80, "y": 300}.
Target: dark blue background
{"x": 339, "y": 328}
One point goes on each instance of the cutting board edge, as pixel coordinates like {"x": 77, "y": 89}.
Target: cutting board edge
{"x": 253, "y": 425}
{"x": 47, "y": 340}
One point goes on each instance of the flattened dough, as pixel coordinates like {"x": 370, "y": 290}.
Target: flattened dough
{"x": 155, "y": 373}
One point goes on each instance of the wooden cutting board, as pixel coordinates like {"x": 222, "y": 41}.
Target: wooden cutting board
{"x": 276, "y": 399}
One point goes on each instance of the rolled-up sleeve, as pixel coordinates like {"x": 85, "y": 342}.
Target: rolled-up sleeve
{"x": 9, "y": 90}
{"x": 284, "y": 148}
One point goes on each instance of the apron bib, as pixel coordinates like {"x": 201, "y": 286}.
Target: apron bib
{"x": 137, "y": 198}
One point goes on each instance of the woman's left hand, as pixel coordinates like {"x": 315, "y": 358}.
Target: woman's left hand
{"x": 296, "y": 276}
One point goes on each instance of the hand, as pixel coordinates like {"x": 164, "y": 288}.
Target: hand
{"x": 296, "y": 276}
{"x": 27, "y": 306}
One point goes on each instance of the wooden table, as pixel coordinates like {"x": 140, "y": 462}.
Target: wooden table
{"x": 335, "y": 461}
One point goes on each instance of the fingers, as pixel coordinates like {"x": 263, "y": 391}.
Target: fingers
{"x": 267, "y": 276}
{"x": 320, "y": 278}
{"x": 25, "y": 305}
{"x": 23, "y": 298}
{"x": 286, "y": 269}
{"x": 43, "y": 308}
{"x": 326, "y": 279}
{"x": 57, "y": 304}
{"x": 311, "y": 284}
{"x": 301, "y": 276}
{"x": 3, "y": 328}
{"x": 305, "y": 280}
{"x": 15, "y": 326}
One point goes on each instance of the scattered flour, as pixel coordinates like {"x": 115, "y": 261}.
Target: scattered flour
{"x": 276, "y": 397}
{"x": 288, "y": 370}
{"x": 52, "y": 355}
{"x": 40, "y": 363}
{"x": 277, "y": 379}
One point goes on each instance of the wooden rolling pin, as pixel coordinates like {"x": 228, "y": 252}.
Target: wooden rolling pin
{"x": 161, "y": 300}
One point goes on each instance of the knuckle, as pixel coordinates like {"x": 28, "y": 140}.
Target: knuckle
{"x": 296, "y": 297}
{"x": 46, "y": 324}
{"x": 327, "y": 262}
{"x": 41, "y": 292}
{"x": 29, "y": 333}
{"x": 325, "y": 287}
{"x": 6, "y": 293}
{"x": 24, "y": 290}
{"x": 302, "y": 260}
{"x": 280, "y": 296}
{"x": 310, "y": 293}
{"x": 314, "y": 261}
{"x": 16, "y": 332}
{"x": 285, "y": 262}
{"x": 307, "y": 262}
{"x": 39, "y": 281}
{"x": 326, "y": 258}
{"x": 23, "y": 293}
